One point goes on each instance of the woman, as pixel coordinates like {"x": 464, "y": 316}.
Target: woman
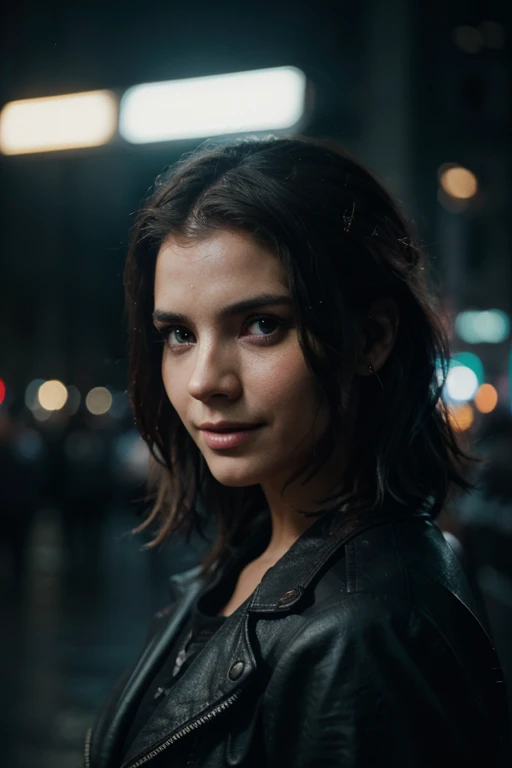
{"x": 284, "y": 373}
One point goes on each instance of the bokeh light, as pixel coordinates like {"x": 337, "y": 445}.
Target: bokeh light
{"x": 468, "y": 39}
{"x": 486, "y": 398}
{"x": 52, "y": 395}
{"x": 132, "y": 457}
{"x": 41, "y": 414}
{"x": 98, "y": 401}
{"x": 31, "y": 392}
{"x": 461, "y": 417}
{"x": 120, "y": 405}
{"x": 461, "y": 383}
{"x": 491, "y": 326}
{"x": 58, "y": 122}
{"x": 2, "y": 391}
{"x": 29, "y": 444}
{"x": 493, "y": 34}
{"x": 470, "y": 360}
{"x": 236, "y": 102}
{"x": 74, "y": 399}
{"x": 458, "y": 182}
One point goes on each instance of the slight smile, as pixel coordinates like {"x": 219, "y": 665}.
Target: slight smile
{"x": 220, "y": 440}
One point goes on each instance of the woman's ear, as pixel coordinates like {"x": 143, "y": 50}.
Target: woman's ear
{"x": 379, "y": 336}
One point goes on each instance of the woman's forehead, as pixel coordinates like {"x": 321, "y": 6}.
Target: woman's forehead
{"x": 225, "y": 262}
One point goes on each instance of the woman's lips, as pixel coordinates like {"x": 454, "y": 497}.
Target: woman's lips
{"x": 222, "y": 440}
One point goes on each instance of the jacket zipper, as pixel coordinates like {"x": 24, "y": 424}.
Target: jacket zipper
{"x": 187, "y": 729}
{"x": 87, "y": 748}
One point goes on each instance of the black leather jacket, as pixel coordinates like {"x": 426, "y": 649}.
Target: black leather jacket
{"x": 360, "y": 648}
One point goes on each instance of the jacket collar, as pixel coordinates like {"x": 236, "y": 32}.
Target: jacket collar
{"x": 229, "y": 663}
{"x": 283, "y": 585}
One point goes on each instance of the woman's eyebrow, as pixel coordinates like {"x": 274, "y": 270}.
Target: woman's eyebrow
{"x": 264, "y": 300}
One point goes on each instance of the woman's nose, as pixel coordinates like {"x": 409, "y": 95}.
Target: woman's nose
{"x": 215, "y": 373}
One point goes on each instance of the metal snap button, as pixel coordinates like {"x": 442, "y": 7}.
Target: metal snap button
{"x": 236, "y": 670}
{"x": 288, "y": 596}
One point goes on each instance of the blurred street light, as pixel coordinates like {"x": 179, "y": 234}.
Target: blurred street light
{"x": 461, "y": 383}
{"x": 58, "y": 122}
{"x": 259, "y": 100}
{"x": 461, "y": 417}
{"x": 471, "y": 361}
{"x": 491, "y": 326}
{"x": 486, "y": 399}
{"x": 98, "y": 401}
{"x": 52, "y": 395}
{"x": 458, "y": 182}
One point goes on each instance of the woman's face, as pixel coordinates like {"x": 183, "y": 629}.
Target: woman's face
{"x": 244, "y": 366}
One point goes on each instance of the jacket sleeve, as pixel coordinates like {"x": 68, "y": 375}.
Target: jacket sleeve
{"x": 373, "y": 684}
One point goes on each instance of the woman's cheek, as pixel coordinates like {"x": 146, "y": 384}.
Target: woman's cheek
{"x": 287, "y": 385}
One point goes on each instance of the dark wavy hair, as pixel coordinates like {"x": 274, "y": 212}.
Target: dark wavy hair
{"x": 344, "y": 243}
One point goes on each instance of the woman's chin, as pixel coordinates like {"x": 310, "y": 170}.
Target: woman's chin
{"x": 235, "y": 481}
{"x": 234, "y": 478}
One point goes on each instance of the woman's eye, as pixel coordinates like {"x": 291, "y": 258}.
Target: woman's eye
{"x": 264, "y": 327}
{"x": 181, "y": 335}
{"x": 268, "y": 325}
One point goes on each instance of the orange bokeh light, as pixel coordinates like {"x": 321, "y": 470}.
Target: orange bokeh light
{"x": 486, "y": 398}
{"x": 461, "y": 417}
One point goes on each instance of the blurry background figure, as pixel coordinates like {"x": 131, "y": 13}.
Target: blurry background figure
{"x": 22, "y": 462}
{"x": 86, "y": 497}
{"x": 479, "y": 529}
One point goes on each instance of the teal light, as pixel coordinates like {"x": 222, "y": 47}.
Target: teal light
{"x": 491, "y": 326}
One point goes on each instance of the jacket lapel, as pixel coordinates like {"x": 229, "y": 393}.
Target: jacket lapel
{"x": 215, "y": 678}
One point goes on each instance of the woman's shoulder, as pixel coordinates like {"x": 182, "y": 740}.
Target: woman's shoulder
{"x": 402, "y": 574}
{"x": 392, "y": 560}
{"x": 395, "y": 591}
